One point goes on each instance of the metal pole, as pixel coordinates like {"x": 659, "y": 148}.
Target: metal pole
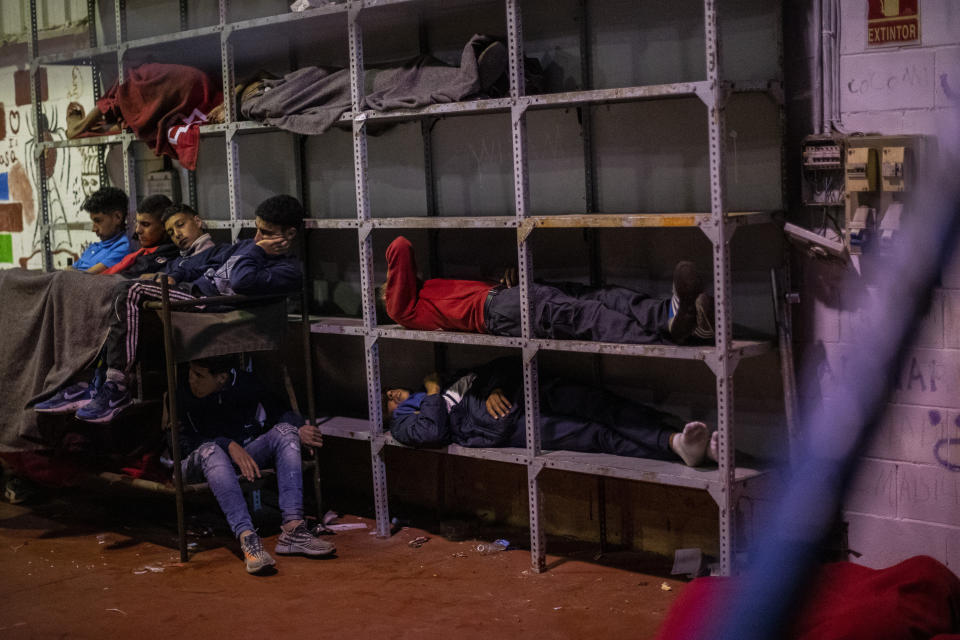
{"x": 531, "y": 383}
{"x": 173, "y": 420}
{"x": 365, "y": 246}
{"x": 40, "y": 160}
{"x": 723, "y": 365}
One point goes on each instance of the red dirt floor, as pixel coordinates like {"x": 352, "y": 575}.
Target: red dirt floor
{"x": 70, "y": 569}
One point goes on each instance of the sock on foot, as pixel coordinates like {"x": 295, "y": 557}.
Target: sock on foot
{"x": 714, "y": 447}
{"x": 691, "y": 443}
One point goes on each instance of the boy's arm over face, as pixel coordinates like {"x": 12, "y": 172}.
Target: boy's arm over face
{"x": 256, "y": 273}
{"x": 401, "y": 287}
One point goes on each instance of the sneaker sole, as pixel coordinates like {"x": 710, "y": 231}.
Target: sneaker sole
{"x": 255, "y": 570}
{"x": 107, "y": 417}
{"x": 290, "y": 550}
{"x": 64, "y": 408}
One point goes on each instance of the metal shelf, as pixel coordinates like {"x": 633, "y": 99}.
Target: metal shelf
{"x": 355, "y": 327}
{"x": 674, "y": 474}
{"x": 93, "y": 141}
{"x": 723, "y": 483}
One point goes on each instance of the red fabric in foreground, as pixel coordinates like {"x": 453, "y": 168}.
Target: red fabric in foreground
{"x": 914, "y": 600}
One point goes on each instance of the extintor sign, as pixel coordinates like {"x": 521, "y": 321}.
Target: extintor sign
{"x": 893, "y": 21}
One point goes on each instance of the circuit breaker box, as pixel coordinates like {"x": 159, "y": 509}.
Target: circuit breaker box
{"x": 893, "y": 168}
{"x": 861, "y": 169}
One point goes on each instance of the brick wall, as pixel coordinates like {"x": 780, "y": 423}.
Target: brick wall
{"x": 906, "y": 498}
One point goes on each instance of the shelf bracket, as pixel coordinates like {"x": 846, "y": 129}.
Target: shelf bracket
{"x": 536, "y": 466}
{"x": 377, "y": 444}
{"x": 716, "y": 492}
{"x": 529, "y": 352}
{"x": 524, "y": 230}
{"x": 370, "y": 341}
{"x": 711, "y": 229}
{"x": 365, "y": 228}
{"x": 714, "y": 360}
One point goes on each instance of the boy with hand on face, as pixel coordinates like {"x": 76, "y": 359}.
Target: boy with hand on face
{"x": 108, "y": 211}
{"x": 262, "y": 265}
{"x": 230, "y": 424}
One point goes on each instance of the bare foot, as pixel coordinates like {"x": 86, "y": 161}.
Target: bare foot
{"x": 691, "y": 444}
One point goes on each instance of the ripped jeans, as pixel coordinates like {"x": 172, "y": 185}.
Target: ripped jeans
{"x": 279, "y": 448}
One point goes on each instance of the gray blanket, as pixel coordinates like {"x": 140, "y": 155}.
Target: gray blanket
{"x": 310, "y": 100}
{"x": 51, "y": 326}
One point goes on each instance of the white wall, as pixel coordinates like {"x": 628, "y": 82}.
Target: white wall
{"x": 906, "y": 499}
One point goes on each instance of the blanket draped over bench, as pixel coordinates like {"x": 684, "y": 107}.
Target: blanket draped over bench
{"x": 51, "y": 326}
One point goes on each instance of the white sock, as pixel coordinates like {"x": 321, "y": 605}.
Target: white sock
{"x": 691, "y": 444}
{"x": 714, "y": 447}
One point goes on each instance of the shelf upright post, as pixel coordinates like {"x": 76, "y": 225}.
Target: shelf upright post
{"x": 41, "y": 158}
{"x": 191, "y": 175}
{"x": 129, "y": 159}
{"x": 720, "y": 234}
{"x": 521, "y": 190}
{"x": 97, "y": 88}
{"x": 365, "y": 246}
{"x": 229, "y": 104}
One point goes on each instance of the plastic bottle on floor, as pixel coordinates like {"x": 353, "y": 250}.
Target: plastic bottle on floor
{"x": 488, "y": 548}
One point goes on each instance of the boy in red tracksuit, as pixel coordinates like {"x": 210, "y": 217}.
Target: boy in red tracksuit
{"x": 564, "y": 310}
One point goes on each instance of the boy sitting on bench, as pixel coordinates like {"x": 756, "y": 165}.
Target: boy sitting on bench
{"x": 229, "y": 423}
{"x": 261, "y": 265}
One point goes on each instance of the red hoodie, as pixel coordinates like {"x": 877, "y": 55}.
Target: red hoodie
{"x": 455, "y": 305}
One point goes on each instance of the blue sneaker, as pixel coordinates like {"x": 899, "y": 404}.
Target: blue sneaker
{"x": 68, "y": 400}
{"x": 109, "y": 401}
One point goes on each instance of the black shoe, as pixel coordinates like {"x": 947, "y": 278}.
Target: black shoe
{"x": 704, "y": 329}
{"x": 687, "y": 285}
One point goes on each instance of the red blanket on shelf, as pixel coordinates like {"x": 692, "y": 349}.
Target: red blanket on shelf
{"x": 164, "y": 104}
{"x": 918, "y": 599}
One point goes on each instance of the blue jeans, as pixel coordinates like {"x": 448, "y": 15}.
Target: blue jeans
{"x": 569, "y": 311}
{"x": 279, "y": 447}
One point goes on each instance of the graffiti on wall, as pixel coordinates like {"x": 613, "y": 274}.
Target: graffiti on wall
{"x": 947, "y": 450}
{"x": 68, "y": 174}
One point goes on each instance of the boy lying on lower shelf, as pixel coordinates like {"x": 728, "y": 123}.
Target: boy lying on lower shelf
{"x": 484, "y": 408}
{"x": 230, "y": 425}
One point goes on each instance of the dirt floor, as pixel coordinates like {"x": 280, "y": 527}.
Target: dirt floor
{"x": 79, "y": 565}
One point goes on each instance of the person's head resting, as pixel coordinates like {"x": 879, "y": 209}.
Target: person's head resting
{"x": 149, "y": 227}
{"x": 279, "y": 216}
{"x": 183, "y": 225}
{"x": 393, "y": 398}
{"x": 108, "y": 211}
{"x": 210, "y": 375}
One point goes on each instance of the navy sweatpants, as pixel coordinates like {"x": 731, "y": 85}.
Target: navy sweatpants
{"x": 573, "y": 417}
{"x": 578, "y": 312}
{"x": 120, "y": 347}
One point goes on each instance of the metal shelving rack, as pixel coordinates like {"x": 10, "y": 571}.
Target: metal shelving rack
{"x": 725, "y": 485}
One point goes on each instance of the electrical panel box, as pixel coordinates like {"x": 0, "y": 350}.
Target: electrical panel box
{"x": 894, "y": 166}
{"x": 861, "y": 170}
{"x": 822, "y": 183}
{"x": 164, "y": 183}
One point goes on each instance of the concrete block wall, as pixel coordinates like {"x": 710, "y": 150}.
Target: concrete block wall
{"x": 906, "y": 497}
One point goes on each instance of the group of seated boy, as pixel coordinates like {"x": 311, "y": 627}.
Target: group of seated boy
{"x": 229, "y": 425}
{"x": 227, "y": 420}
